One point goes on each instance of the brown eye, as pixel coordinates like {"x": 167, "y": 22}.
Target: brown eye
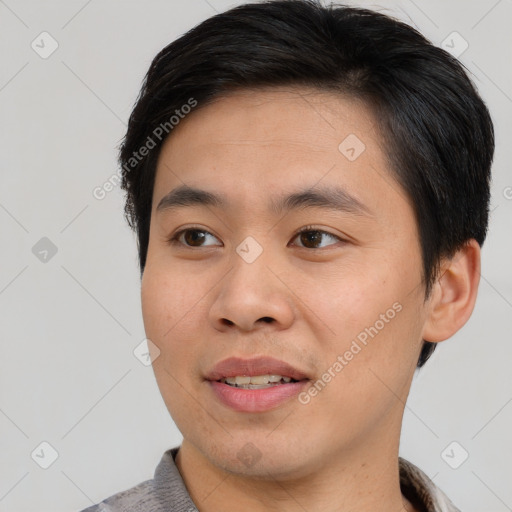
{"x": 193, "y": 238}
{"x": 312, "y": 238}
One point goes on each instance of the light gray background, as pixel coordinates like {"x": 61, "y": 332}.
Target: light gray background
{"x": 69, "y": 326}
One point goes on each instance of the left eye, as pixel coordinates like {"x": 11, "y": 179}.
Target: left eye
{"x": 309, "y": 238}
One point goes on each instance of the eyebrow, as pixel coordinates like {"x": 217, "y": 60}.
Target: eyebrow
{"x": 327, "y": 197}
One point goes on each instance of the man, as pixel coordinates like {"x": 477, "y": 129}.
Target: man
{"x": 310, "y": 190}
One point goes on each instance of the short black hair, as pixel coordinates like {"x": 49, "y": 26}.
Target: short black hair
{"x": 438, "y": 132}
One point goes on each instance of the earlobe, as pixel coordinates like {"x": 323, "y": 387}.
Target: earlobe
{"x": 454, "y": 294}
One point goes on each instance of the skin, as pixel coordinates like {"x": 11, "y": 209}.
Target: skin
{"x": 204, "y": 303}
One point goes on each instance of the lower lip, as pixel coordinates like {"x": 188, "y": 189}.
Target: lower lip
{"x": 256, "y": 400}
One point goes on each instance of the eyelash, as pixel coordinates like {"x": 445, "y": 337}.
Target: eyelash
{"x": 174, "y": 239}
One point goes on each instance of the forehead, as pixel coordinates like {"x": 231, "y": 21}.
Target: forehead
{"x": 253, "y": 141}
{"x": 254, "y": 115}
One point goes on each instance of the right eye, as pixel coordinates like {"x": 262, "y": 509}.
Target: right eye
{"x": 191, "y": 237}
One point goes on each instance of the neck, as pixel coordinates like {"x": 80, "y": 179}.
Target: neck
{"x": 344, "y": 482}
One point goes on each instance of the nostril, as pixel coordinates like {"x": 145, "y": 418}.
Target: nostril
{"x": 267, "y": 319}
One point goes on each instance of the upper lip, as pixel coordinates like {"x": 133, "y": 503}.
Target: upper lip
{"x": 234, "y": 366}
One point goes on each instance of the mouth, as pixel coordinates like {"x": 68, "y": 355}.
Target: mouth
{"x": 255, "y": 385}
{"x": 259, "y": 371}
{"x": 256, "y": 381}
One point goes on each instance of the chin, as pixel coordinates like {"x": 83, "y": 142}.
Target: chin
{"x": 259, "y": 457}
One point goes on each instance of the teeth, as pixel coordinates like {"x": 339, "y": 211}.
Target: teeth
{"x": 259, "y": 380}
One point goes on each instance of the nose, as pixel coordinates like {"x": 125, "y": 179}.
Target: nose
{"x": 251, "y": 296}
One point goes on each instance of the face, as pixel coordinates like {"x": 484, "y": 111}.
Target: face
{"x": 308, "y": 254}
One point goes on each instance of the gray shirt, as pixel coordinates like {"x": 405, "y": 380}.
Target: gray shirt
{"x": 166, "y": 492}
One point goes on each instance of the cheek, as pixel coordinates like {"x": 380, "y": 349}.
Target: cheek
{"x": 168, "y": 309}
{"x": 157, "y": 302}
{"x": 174, "y": 308}
{"x": 168, "y": 300}
{"x": 367, "y": 380}
{"x": 352, "y": 297}
{"x": 374, "y": 319}
{"x": 164, "y": 307}
{"x": 375, "y": 352}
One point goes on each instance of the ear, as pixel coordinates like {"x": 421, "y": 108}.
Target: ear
{"x": 454, "y": 294}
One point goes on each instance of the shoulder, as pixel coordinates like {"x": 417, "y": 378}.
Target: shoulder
{"x": 421, "y": 491}
{"x": 166, "y": 491}
{"x": 136, "y": 499}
